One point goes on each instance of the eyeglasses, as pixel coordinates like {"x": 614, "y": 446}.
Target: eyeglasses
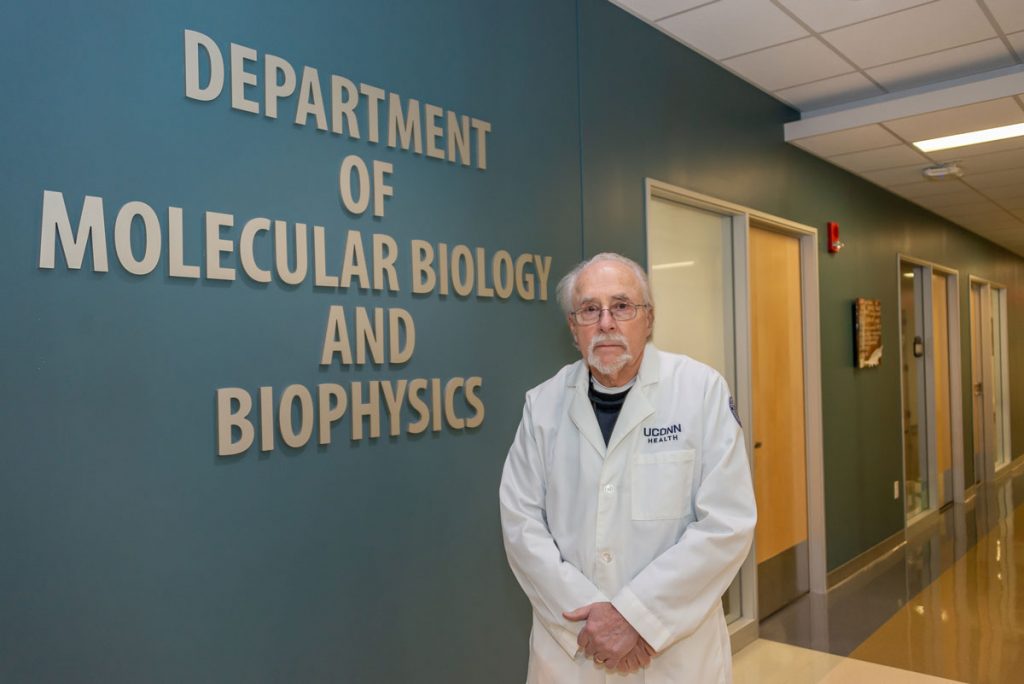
{"x": 589, "y": 314}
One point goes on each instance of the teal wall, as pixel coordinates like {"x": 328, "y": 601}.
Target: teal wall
{"x": 653, "y": 109}
{"x": 132, "y": 552}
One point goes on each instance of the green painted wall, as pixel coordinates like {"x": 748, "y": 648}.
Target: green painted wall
{"x": 652, "y": 108}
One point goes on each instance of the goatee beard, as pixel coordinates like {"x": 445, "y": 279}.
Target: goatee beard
{"x": 611, "y": 367}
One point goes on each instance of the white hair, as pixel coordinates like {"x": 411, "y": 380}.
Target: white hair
{"x": 566, "y": 290}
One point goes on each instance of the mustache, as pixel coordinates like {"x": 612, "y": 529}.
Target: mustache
{"x": 602, "y": 338}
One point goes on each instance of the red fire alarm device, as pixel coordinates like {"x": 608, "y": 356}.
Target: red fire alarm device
{"x": 834, "y": 245}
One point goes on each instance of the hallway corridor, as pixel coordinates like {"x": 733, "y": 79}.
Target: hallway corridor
{"x": 945, "y": 606}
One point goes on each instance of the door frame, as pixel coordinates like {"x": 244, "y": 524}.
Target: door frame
{"x": 745, "y": 629}
{"x": 956, "y": 413}
{"x": 989, "y": 470}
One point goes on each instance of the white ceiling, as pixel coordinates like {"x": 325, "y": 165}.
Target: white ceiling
{"x": 871, "y": 76}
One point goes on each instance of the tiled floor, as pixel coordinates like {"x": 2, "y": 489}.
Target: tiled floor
{"x": 945, "y": 607}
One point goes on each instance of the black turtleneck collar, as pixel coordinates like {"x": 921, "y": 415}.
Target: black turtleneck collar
{"x": 606, "y": 408}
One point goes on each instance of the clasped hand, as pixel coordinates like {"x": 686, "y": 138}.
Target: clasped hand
{"x": 609, "y": 639}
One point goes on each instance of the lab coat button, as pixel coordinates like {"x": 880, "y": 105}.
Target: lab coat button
{"x": 606, "y": 557}
{"x": 609, "y": 488}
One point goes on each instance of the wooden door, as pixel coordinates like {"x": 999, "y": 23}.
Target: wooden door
{"x": 780, "y": 459}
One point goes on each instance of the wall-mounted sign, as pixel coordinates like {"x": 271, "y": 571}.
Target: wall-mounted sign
{"x": 236, "y": 249}
{"x": 867, "y": 330}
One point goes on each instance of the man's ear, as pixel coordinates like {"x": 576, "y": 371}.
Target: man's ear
{"x": 572, "y": 331}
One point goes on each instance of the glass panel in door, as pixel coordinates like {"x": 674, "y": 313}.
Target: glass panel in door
{"x": 690, "y": 259}
{"x": 690, "y": 265}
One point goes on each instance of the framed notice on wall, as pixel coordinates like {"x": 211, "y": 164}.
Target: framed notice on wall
{"x": 867, "y": 331}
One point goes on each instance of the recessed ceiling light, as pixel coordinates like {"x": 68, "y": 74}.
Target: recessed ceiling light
{"x": 971, "y": 138}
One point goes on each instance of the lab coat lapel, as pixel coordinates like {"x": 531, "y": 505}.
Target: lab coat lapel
{"x": 638, "y": 404}
{"x": 582, "y": 412}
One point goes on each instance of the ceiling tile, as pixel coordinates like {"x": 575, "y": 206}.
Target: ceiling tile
{"x": 1002, "y": 234}
{"x": 987, "y": 222}
{"x": 1005, "y": 194}
{"x": 880, "y": 158}
{"x": 1017, "y": 41}
{"x": 886, "y": 45}
{"x": 983, "y": 227}
{"x": 782, "y": 66}
{"x": 1001, "y": 112}
{"x": 1010, "y": 228}
{"x": 1005, "y": 244}
{"x": 996, "y": 161}
{"x": 955, "y": 220}
{"x": 989, "y": 211}
{"x": 995, "y": 179}
{"x": 850, "y": 140}
{"x": 898, "y": 176}
{"x": 995, "y": 220}
{"x": 1014, "y": 204}
{"x": 1008, "y": 13}
{"x": 829, "y": 92}
{"x": 917, "y": 31}
{"x": 654, "y": 10}
{"x": 732, "y": 27}
{"x": 994, "y": 227}
{"x": 822, "y": 15}
{"x": 926, "y": 189}
{"x": 955, "y": 198}
{"x": 943, "y": 66}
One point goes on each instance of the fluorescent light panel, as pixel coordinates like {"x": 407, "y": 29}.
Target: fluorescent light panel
{"x": 972, "y": 138}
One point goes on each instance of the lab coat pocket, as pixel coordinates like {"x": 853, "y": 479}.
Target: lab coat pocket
{"x": 661, "y": 484}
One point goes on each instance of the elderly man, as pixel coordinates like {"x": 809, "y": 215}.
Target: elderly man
{"x": 626, "y": 500}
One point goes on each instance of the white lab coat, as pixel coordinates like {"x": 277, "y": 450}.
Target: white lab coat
{"x": 658, "y": 522}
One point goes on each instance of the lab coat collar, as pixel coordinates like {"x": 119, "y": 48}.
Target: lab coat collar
{"x": 634, "y": 411}
{"x": 580, "y": 410}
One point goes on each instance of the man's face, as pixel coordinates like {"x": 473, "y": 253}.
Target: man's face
{"x": 612, "y": 349}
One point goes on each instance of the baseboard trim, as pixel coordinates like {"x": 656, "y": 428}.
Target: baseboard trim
{"x": 873, "y": 555}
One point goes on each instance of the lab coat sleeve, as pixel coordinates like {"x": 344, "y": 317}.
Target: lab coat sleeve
{"x": 671, "y": 597}
{"x": 552, "y": 584}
